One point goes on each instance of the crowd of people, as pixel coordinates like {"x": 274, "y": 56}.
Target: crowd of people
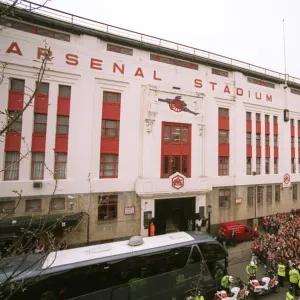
{"x": 281, "y": 243}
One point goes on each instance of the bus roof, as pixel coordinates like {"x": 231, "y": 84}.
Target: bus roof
{"x": 76, "y": 255}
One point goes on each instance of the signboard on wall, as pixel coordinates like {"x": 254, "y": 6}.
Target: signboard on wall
{"x": 286, "y": 180}
{"x": 129, "y": 210}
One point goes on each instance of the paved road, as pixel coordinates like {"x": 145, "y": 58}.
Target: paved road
{"x": 239, "y": 270}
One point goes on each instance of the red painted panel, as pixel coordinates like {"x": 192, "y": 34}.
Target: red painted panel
{"x": 38, "y": 142}
{"x": 267, "y": 149}
{"x": 15, "y": 100}
{"x": 224, "y": 150}
{"x": 111, "y": 111}
{"x": 292, "y": 130}
{"x": 276, "y": 129}
{"x": 258, "y": 151}
{"x": 298, "y": 131}
{"x": 249, "y": 150}
{"x": 41, "y": 104}
{"x": 258, "y": 126}
{"x": 293, "y": 152}
{"x": 249, "y": 125}
{"x": 109, "y": 145}
{"x": 63, "y": 106}
{"x": 299, "y": 152}
{"x": 224, "y": 122}
{"x": 61, "y": 143}
{"x": 13, "y": 141}
{"x": 275, "y": 152}
{"x": 267, "y": 128}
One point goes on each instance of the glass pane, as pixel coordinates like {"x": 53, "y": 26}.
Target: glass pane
{"x": 43, "y": 88}
{"x": 40, "y": 128}
{"x": 44, "y": 32}
{"x": 17, "y": 84}
{"x": 167, "y": 133}
{"x": 175, "y": 164}
{"x": 166, "y": 166}
{"x": 184, "y": 165}
{"x": 62, "y": 120}
{"x": 61, "y": 157}
{"x": 111, "y": 97}
{"x": 176, "y": 134}
{"x": 108, "y": 158}
{"x": 39, "y": 118}
{"x": 185, "y": 135}
{"x": 64, "y": 91}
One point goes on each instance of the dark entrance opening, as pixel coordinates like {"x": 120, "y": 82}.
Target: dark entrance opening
{"x": 174, "y": 214}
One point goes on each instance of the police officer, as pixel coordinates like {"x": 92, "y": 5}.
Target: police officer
{"x": 294, "y": 276}
{"x": 289, "y": 294}
{"x": 226, "y": 283}
{"x": 251, "y": 270}
{"x": 281, "y": 272}
{"x": 199, "y": 297}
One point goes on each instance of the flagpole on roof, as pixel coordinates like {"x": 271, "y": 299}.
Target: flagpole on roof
{"x": 284, "y": 53}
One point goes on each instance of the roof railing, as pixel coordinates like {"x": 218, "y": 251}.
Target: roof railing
{"x": 144, "y": 38}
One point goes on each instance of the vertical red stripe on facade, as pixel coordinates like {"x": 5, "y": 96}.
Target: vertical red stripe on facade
{"x": 248, "y": 125}
{"x": 258, "y": 126}
{"x": 267, "y": 128}
{"x": 15, "y": 105}
{"x": 275, "y": 129}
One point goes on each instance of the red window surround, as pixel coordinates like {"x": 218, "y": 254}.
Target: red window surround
{"x": 15, "y": 105}
{"x": 63, "y": 118}
{"x": 175, "y": 149}
{"x": 110, "y": 123}
{"x": 248, "y": 122}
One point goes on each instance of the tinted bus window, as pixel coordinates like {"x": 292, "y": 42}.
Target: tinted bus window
{"x": 212, "y": 251}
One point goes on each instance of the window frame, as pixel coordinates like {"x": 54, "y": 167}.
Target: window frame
{"x": 223, "y": 166}
{"x": 258, "y": 140}
{"x": 250, "y": 195}
{"x": 258, "y": 165}
{"x": 248, "y": 115}
{"x": 105, "y": 129}
{"x": 27, "y": 202}
{"x": 275, "y": 119}
{"x": 57, "y": 162}
{"x": 223, "y": 139}
{"x": 7, "y": 210}
{"x": 293, "y": 166}
{"x": 269, "y": 193}
{"x": 12, "y": 80}
{"x": 224, "y": 198}
{"x": 114, "y": 163}
{"x": 223, "y": 112}
{"x": 267, "y": 165}
{"x": 277, "y": 192}
{"x": 267, "y": 119}
{"x": 249, "y": 138}
{"x": 257, "y": 117}
{"x": 260, "y": 195}
{"x": 32, "y": 177}
{"x": 61, "y": 87}
{"x": 38, "y": 123}
{"x": 60, "y": 125}
{"x": 108, "y": 205}
{"x": 11, "y": 115}
{"x": 106, "y": 100}
{"x": 8, "y": 164}
{"x": 275, "y": 140}
{"x": 52, "y": 204}
{"x": 249, "y": 165}
{"x": 275, "y": 165}
{"x": 295, "y": 191}
{"x": 267, "y": 140}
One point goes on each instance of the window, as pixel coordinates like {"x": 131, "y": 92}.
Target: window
{"x": 260, "y": 194}
{"x": 275, "y": 165}
{"x": 224, "y": 112}
{"x": 267, "y": 165}
{"x": 17, "y": 84}
{"x": 40, "y": 123}
{"x": 176, "y": 138}
{"x": 299, "y": 165}
{"x": 277, "y": 193}
{"x": 257, "y": 117}
{"x": 248, "y": 115}
{"x": 292, "y": 122}
{"x": 250, "y": 195}
{"x": 275, "y": 120}
{"x": 11, "y": 168}
{"x": 258, "y": 165}
{"x": 42, "y": 88}
{"x": 295, "y": 191}
{"x": 249, "y": 166}
{"x": 224, "y": 198}
{"x": 249, "y": 138}
{"x": 258, "y": 140}
{"x": 33, "y": 205}
{"x": 57, "y": 204}
{"x": 7, "y": 207}
{"x": 269, "y": 194}
{"x": 293, "y": 166}
{"x": 17, "y": 124}
{"x": 107, "y": 208}
{"x": 223, "y": 166}
{"x": 109, "y": 165}
{"x": 64, "y": 91}
{"x": 267, "y": 119}
{"x": 37, "y": 165}
{"x": 62, "y": 126}
{"x": 110, "y": 128}
{"x": 267, "y": 140}
{"x": 111, "y": 97}
{"x": 60, "y": 168}
{"x": 299, "y": 140}
{"x": 292, "y": 142}
{"x": 275, "y": 140}
{"x": 223, "y": 137}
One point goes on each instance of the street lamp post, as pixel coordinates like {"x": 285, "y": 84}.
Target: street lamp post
{"x": 209, "y": 211}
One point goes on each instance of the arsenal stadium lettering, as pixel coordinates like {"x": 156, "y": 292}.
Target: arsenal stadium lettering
{"x": 72, "y": 59}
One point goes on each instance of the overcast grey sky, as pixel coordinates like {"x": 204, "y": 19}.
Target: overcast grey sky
{"x": 248, "y": 30}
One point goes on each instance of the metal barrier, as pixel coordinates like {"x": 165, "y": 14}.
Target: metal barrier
{"x": 144, "y": 39}
{"x": 239, "y": 255}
